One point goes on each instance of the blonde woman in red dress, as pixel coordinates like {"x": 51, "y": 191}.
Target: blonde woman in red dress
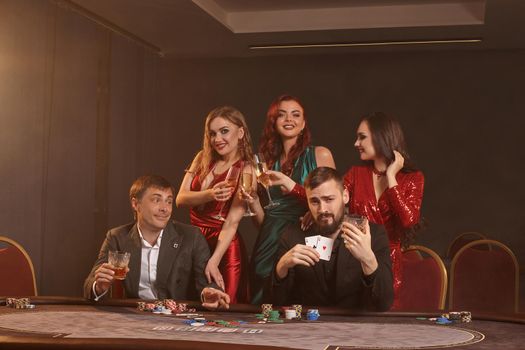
{"x": 204, "y": 189}
{"x": 387, "y": 189}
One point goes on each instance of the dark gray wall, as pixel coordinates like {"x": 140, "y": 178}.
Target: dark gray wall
{"x": 462, "y": 113}
{"x": 74, "y": 101}
{"x": 84, "y": 112}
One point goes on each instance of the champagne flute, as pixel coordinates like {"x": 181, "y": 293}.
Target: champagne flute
{"x": 246, "y": 184}
{"x": 264, "y": 179}
{"x": 231, "y": 179}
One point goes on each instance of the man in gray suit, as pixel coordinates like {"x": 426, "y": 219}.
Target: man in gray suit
{"x": 167, "y": 258}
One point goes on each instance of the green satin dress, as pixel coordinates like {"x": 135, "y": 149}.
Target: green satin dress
{"x": 289, "y": 210}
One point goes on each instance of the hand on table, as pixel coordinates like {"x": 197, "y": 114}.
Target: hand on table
{"x": 215, "y": 299}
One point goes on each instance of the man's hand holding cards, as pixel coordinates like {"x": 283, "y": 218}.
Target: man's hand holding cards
{"x": 323, "y": 245}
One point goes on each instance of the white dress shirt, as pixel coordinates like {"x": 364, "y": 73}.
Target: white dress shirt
{"x": 148, "y": 267}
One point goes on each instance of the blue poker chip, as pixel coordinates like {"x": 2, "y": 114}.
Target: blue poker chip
{"x": 443, "y": 320}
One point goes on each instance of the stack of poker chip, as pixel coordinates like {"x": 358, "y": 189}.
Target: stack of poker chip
{"x": 22, "y": 303}
{"x": 274, "y": 317}
{"x": 141, "y": 305}
{"x": 266, "y": 309}
{"x": 453, "y": 316}
{"x": 459, "y": 316}
{"x": 298, "y": 310}
{"x": 466, "y": 316}
{"x": 312, "y": 315}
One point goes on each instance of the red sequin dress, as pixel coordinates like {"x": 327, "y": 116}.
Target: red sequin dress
{"x": 232, "y": 265}
{"x": 398, "y": 208}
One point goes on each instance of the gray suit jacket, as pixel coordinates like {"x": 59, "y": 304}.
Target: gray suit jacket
{"x": 180, "y": 267}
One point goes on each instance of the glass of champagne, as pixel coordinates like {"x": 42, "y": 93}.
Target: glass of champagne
{"x": 231, "y": 179}
{"x": 261, "y": 170}
{"x": 246, "y": 184}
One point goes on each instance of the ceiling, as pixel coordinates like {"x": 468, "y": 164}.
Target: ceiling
{"x": 245, "y": 28}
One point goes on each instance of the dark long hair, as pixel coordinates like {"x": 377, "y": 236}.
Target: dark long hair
{"x": 387, "y": 137}
{"x": 271, "y": 145}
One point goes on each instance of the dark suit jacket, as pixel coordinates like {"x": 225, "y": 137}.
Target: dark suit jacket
{"x": 182, "y": 258}
{"x": 305, "y": 284}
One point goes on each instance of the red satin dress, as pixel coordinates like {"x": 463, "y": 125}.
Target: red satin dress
{"x": 398, "y": 208}
{"x": 232, "y": 265}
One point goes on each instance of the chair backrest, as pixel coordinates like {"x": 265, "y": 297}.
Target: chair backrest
{"x": 16, "y": 270}
{"x": 424, "y": 286}
{"x": 461, "y": 240}
{"x": 484, "y": 279}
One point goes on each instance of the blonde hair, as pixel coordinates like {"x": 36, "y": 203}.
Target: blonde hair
{"x": 208, "y": 153}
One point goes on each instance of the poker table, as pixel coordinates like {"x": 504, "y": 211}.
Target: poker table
{"x": 75, "y": 323}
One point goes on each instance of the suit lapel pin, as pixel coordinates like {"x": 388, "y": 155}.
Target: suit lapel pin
{"x": 175, "y": 245}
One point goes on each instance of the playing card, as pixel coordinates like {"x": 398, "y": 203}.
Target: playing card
{"x": 312, "y": 241}
{"x": 324, "y": 247}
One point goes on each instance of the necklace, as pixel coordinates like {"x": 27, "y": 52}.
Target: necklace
{"x": 377, "y": 172}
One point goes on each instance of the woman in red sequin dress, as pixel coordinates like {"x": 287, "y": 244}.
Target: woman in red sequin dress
{"x": 387, "y": 189}
{"x": 227, "y": 143}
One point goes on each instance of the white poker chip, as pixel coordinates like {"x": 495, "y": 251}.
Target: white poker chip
{"x": 197, "y": 324}
{"x": 166, "y": 312}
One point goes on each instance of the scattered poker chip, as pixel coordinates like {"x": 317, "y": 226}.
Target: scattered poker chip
{"x": 312, "y": 315}
{"x": 149, "y": 306}
{"x": 276, "y": 321}
{"x": 443, "y": 320}
{"x": 196, "y": 324}
{"x": 31, "y": 306}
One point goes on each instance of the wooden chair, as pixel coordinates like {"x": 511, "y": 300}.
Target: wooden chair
{"x": 461, "y": 240}
{"x": 16, "y": 270}
{"x": 424, "y": 286}
{"x": 485, "y": 279}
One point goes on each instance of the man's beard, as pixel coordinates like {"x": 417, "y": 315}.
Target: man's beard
{"x": 328, "y": 229}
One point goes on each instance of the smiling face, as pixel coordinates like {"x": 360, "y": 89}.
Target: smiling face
{"x": 290, "y": 120}
{"x": 154, "y": 208}
{"x": 224, "y": 136}
{"x": 363, "y": 143}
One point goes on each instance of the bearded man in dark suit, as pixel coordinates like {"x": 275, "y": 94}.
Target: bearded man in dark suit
{"x": 358, "y": 274}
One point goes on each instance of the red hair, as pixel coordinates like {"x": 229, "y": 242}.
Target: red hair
{"x": 271, "y": 145}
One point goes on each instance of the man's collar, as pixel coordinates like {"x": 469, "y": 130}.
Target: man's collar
{"x": 157, "y": 242}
